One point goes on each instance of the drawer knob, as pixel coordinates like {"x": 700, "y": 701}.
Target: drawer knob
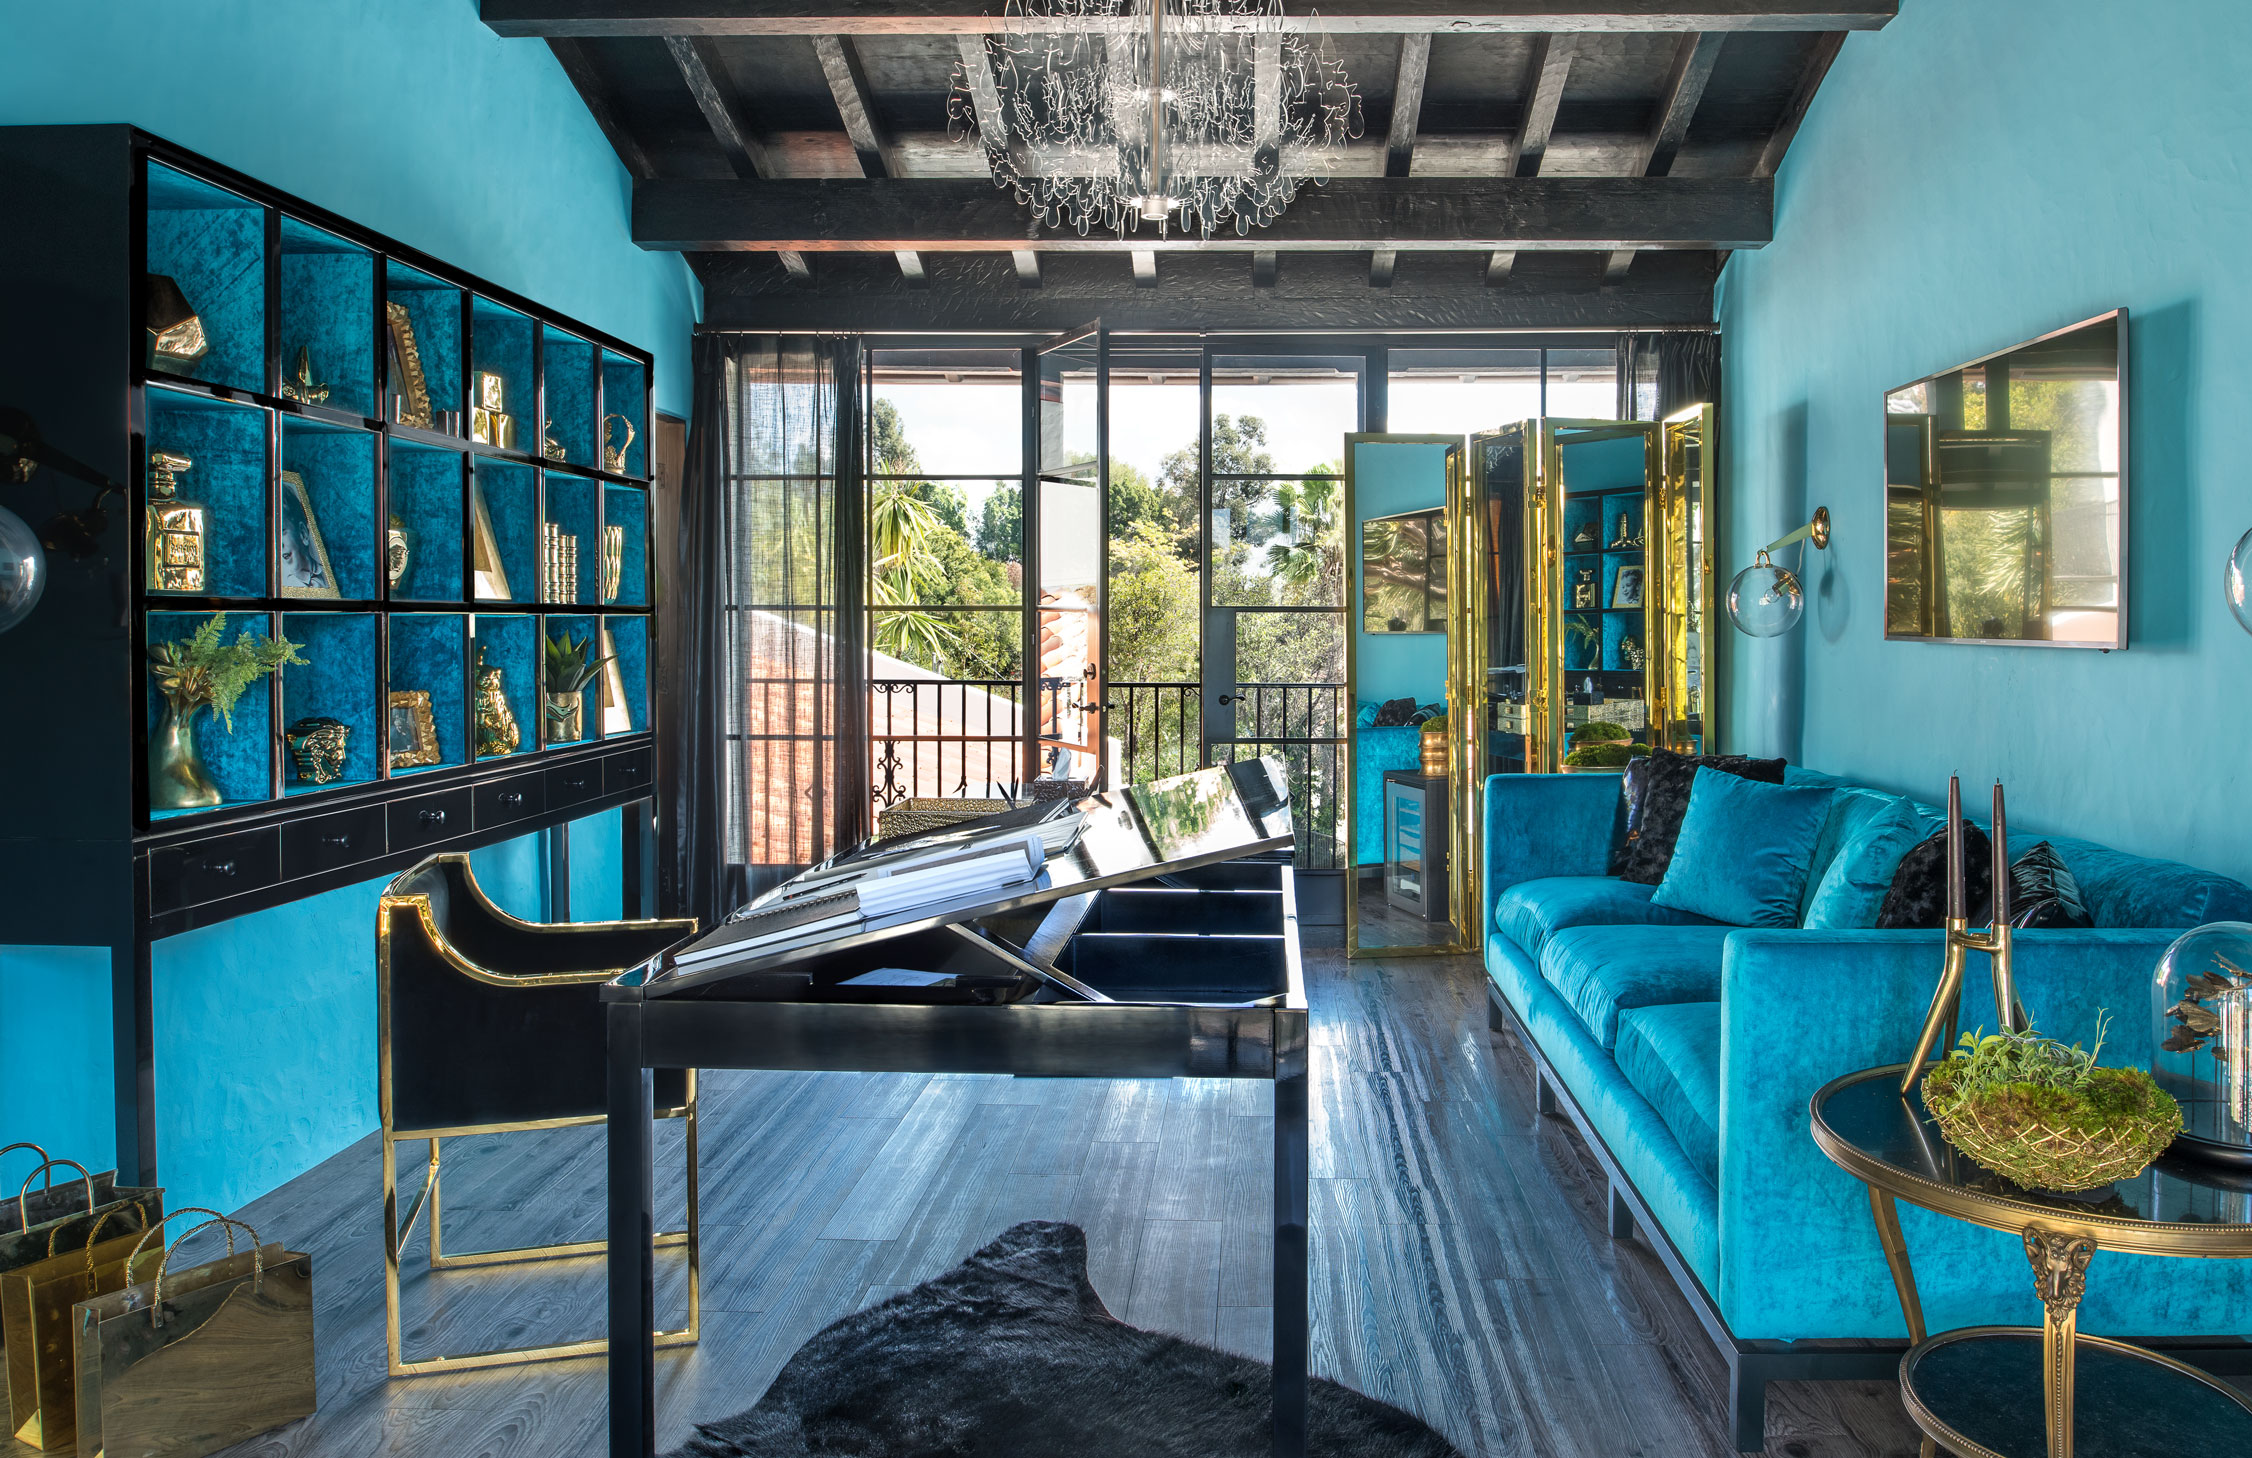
{"x": 433, "y": 817}
{"x": 512, "y": 797}
{"x": 216, "y": 868}
{"x": 577, "y": 784}
{"x": 341, "y": 842}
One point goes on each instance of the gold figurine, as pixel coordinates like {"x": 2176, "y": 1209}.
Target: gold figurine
{"x": 497, "y": 731}
{"x": 491, "y": 395}
{"x": 299, "y": 386}
{"x": 176, "y": 337}
{"x": 1583, "y": 590}
{"x": 614, "y": 457}
{"x": 613, "y": 561}
{"x": 317, "y": 745}
{"x": 550, "y": 447}
{"x": 177, "y": 529}
{"x": 398, "y": 550}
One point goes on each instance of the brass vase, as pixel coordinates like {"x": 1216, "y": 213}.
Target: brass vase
{"x": 1435, "y": 754}
{"x": 566, "y": 716}
{"x": 177, "y": 778}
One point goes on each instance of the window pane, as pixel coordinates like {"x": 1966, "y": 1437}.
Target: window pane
{"x": 919, "y": 641}
{"x": 1305, "y": 650}
{"x": 1153, "y": 442}
{"x": 1278, "y": 543}
{"x": 946, "y": 412}
{"x": 1583, "y": 384}
{"x": 1282, "y": 415}
{"x": 947, "y": 542}
{"x": 1459, "y": 391}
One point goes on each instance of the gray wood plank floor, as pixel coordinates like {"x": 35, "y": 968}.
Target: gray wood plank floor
{"x": 1461, "y": 1267}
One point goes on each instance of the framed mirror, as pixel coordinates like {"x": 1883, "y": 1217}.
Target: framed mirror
{"x": 1404, "y": 573}
{"x": 2006, "y": 495}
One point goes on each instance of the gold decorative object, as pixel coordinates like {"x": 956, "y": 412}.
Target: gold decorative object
{"x": 1626, "y": 537}
{"x": 414, "y": 732}
{"x": 559, "y": 564}
{"x": 299, "y": 386}
{"x": 176, "y": 338}
{"x": 410, "y": 391}
{"x": 490, "y": 427}
{"x": 565, "y": 673}
{"x": 2043, "y": 1155}
{"x": 614, "y": 457}
{"x": 566, "y": 717}
{"x": 398, "y": 551}
{"x": 177, "y": 530}
{"x": 1947, "y": 999}
{"x": 1434, "y": 751}
{"x": 194, "y": 674}
{"x": 1583, "y": 588}
{"x": 613, "y": 561}
{"x": 490, "y": 580}
{"x": 617, "y": 714}
{"x": 492, "y": 391}
{"x": 1632, "y": 652}
{"x": 1587, "y": 538}
{"x": 550, "y": 447}
{"x": 497, "y": 732}
{"x": 305, "y": 570}
{"x": 317, "y": 745}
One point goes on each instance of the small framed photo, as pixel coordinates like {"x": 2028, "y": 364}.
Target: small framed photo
{"x": 305, "y": 571}
{"x": 1627, "y": 591}
{"x": 414, "y": 732}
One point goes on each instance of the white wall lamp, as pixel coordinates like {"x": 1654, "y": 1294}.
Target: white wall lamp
{"x": 1766, "y": 601}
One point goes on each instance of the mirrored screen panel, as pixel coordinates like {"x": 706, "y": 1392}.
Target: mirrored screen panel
{"x": 2006, "y": 495}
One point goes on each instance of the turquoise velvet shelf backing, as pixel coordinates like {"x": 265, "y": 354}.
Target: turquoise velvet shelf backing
{"x": 1617, "y": 628}
{"x": 513, "y": 511}
{"x": 629, "y": 638}
{"x": 1615, "y": 502}
{"x": 569, "y": 364}
{"x": 501, "y": 342}
{"x": 338, "y": 682}
{"x": 213, "y": 245}
{"x": 625, "y": 391}
{"x": 429, "y": 651}
{"x": 628, "y": 507}
{"x": 1578, "y": 652}
{"x": 510, "y": 643}
{"x": 328, "y": 307}
{"x": 575, "y": 627}
{"x": 1579, "y": 512}
{"x": 426, "y": 494}
{"x": 228, "y": 445}
{"x": 239, "y": 762}
{"x": 434, "y": 314}
{"x": 571, "y": 505}
{"x": 337, "y": 465}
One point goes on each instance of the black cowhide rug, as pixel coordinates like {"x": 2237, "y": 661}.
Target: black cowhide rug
{"x": 1011, "y": 1355}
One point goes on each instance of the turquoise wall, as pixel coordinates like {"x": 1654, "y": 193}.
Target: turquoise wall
{"x": 406, "y": 116}
{"x": 1389, "y": 478}
{"x": 55, "y": 1049}
{"x": 1971, "y": 176}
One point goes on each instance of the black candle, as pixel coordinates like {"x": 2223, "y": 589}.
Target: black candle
{"x": 1955, "y": 911}
{"x": 2001, "y": 860}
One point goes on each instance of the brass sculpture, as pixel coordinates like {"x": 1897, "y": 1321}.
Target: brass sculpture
{"x": 550, "y": 447}
{"x": 317, "y": 745}
{"x": 614, "y": 457}
{"x": 1947, "y": 998}
{"x": 410, "y": 389}
{"x": 497, "y": 731}
{"x": 300, "y": 385}
{"x": 398, "y": 551}
{"x": 613, "y": 561}
{"x": 176, "y": 337}
{"x": 177, "y": 529}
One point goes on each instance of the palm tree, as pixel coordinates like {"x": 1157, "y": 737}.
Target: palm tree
{"x": 901, "y": 568}
{"x": 1310, "y": 558}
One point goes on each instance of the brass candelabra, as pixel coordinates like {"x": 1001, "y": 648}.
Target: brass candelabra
{"x": 1946, "y": 1010}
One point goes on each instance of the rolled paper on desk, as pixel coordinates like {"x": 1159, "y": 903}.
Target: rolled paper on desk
{"x": 1955, "y": 908}
{"x": 2001, "y": 861}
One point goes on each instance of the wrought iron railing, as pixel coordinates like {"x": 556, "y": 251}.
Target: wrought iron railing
{"x": 1303, "y": 725}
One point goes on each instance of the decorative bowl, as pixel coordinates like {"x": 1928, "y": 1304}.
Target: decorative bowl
{"x": 2047, "y": 1149}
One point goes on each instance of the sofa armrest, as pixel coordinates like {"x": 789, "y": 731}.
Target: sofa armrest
{"x": 1798, "y": 1253}
{"x": 1547, "y": 825}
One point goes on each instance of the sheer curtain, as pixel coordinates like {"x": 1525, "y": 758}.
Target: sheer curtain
{"x": 795, "y": 707}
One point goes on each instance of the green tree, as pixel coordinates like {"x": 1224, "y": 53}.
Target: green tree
{"x": 1000, "y": 525}
{"x": 892, "y": 454}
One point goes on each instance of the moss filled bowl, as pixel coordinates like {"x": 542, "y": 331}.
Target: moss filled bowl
{"x": 2045, "y": 1116}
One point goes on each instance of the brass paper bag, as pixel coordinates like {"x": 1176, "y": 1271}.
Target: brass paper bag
{"x": 35, "y": 1303}
{"x": 75, "y": 1197}
{"x": 197, "y": 1359}
{"x": 134, "y": 1210}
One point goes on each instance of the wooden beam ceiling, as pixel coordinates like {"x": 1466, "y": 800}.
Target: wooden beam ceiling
{"x": 1593, "y": 214}
{"x": 1693, "y": 59}
{"x": 856, "y": 107}
{"x": 715, "y": 96}
{"x": 1545, "y": 73}
{"x": 584, "y": 18}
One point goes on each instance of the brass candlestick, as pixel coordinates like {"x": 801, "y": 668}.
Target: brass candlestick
{"x": 1945, "y": 1014}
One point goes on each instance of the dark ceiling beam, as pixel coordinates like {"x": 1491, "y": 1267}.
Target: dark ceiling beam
{"x": 572, "y": 57}
{"x": 1383, "y": 264}
{"x": 1545, "y": 74}
{"x": 1027, "y": 265}
{"x": 1693, "y": 60}
{"x": 708, "y": 82}
{"x": 1266, "y": 269}
{"x": 1407, "y": 104}
{"x": 1794, "y": 111}
{"x": 1365, "y": 17}
{"x": 1594, "y": 214}
{"x": 1145, "y": 269}
{"x": 856, "y": 107}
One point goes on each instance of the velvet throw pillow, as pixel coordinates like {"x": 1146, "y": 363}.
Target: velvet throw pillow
{"x": 1872, "y": 834}
{"x": 1657, "y": 796}
{"x": 1394, "y": 713}
{"x": 2044, "y": 894}
{"x": 1918, "y": 897}
{"x": 1743, "y": 851}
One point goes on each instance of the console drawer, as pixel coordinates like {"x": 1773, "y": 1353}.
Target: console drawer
{"x": 429, "y": 819}
{"x": 628, "y": 771}
{"x": 329, "y": 841}
{"x": 214, "y": 869}
{"x": 503, "y": 801}
{"x": 568, "y": 784}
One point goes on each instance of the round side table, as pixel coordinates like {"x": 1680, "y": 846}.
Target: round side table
{"x": 1971, "y": 1391}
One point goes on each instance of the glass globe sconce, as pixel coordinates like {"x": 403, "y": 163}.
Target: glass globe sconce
{"x": 23, "y": 570}
{"x": 2234, "y": 582}
{"x": 1766, "y": 601}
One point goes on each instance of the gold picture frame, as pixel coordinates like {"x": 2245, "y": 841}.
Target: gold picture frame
{"x": 490, "y": 582}
{"x": 301, "y": 556}
{"x": 407, "y": 380}
{"x": 410, "y": 710}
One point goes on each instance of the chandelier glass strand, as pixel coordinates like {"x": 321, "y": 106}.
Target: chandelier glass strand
{"x": 1181, "y": 114}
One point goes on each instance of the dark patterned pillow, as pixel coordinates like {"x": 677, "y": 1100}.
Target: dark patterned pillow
{"x": 1918, "y": 897}
{"x": 1394, "y": 713}
{"x": 2044, "y": 893}
{"x": 1657, "y": 796}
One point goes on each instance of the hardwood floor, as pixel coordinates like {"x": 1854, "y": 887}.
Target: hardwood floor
{"x": 1461, "y": 1267}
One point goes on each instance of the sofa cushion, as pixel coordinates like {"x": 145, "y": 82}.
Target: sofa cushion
{"x": 1743, "y": 851}
{"x": 1602, "y": 971}
{"x": 1531, "y": 912}
{"x": 1917, "y": 897}
{"x": 2128, "y": 891}
{"x": 2044, "y": 894}
{"x": 1671, "y": 1056}
{"x": 1866, "y": 836}
{"x": 1659, "y": 788}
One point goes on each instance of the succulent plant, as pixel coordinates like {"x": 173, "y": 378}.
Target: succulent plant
{"x": 567, "y": 668}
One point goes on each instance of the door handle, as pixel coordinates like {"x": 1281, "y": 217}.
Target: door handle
{"x": 1229, "y": 699}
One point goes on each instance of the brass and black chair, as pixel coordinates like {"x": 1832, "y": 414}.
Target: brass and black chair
{"x": 491, "y": 1025}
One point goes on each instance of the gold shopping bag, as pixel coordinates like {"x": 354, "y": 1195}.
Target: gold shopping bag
{"x": 197, "y": 1359}
{"x": 38, "y": 1225}
{"x": 35, "y": 1303}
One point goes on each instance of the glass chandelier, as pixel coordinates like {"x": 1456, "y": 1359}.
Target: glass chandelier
{"x": 1184, "y": 114}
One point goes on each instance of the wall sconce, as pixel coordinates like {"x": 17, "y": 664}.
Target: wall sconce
{"x": 23, "y": 552}
{"x": 23, "y": 570}
{"x": 1766, "y": 601}
{"x": 2233, "y": 582}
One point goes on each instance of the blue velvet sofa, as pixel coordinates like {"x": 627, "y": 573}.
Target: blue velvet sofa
{"x": 1686, "y": 1051}
{"x": 1376, "y": 752}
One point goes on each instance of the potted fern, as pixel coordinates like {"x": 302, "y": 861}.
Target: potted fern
{"x": 2047, "y": 1116}
{"x": 193, "y": 674}
{"x": 563, "y": 679}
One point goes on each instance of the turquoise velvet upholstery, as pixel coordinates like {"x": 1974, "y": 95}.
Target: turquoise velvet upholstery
{"x": 429, "y": 651}
{"x": 569, "y": 364}
{"x": 1877, "y": 832}
{"x": 227, "y": 442}
{"x": 1601, "y": 971}
{"x": 625, "y": 391}
{"x": 514, "y": 512}
{"x": 1531, "y": 912}
{"x": 1680, "y": 1199}
{"x": 1743, "y": 851}
{"x": 1375, "y": 752}
{"x": 212, "y": 243}
{"x": 629, "y": 637}
{"x": 426, "y": 496}
{"x": 237, "y": 762}
{"x": 337, "y": 465}
{"x": 1671, "y": 1055}
{"x": 627, "y": 508}
{"x": 500, "y": 341}
{"x": 511, "y": 643}
{"x": 1547, "y": 825}
{"x": 571, "y": 507}
{"x": 434, "y": 314}
{"x": 328, "y": 307}
{"x": 337, "y": 681}
{"x": 2122, "y": 890}
{"x": 1785, "y": 1207}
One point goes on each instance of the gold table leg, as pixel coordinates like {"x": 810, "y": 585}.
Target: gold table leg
{"x": 2060, "y": 1274}
{"x": 1896, "y": 1256}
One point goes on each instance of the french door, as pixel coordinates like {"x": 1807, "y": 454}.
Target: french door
{"x": 1066, "y": 527}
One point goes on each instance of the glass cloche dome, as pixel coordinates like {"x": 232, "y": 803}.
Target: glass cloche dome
{"x": 2201, "y": 1032}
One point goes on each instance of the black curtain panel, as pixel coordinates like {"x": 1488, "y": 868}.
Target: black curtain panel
{"x": 692, "y": 873}
{"x": 1688, "y": 369}
{"x": 849, "y": 572}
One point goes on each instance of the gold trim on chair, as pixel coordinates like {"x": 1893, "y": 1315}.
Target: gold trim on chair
{"x": 428, "y": 1198}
